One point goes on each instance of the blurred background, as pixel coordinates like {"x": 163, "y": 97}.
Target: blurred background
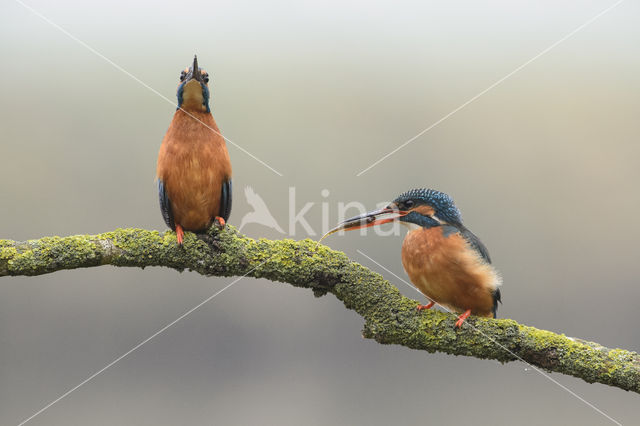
{"x": 544, "y": 168}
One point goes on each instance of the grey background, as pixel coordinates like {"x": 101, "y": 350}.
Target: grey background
{"x": 544, "y": 168}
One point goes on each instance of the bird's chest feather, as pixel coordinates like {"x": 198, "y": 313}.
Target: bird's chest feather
{"x": 447, "y": 270}
{"x": 193, "y": 162}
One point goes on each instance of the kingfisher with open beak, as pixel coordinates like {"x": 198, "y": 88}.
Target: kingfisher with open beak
{"x": 443, "y": 259}
{"x": 194, "y": 170}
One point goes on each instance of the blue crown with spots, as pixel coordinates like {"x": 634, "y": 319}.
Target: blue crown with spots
{"x": 441, "y": 203}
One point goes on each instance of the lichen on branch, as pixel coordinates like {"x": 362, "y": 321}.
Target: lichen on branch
{"x": 390, "y": 318}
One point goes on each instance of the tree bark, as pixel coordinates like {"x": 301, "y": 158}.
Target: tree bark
{"x": 390, "y": 318}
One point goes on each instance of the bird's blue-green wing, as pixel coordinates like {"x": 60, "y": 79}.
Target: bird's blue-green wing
{"x": 165, "y": 206}
{"x": 469, "y": 237}
{"x": 474, "y": 242}
{"x": 225, "y": 200}
{"x": 481, "y": 249}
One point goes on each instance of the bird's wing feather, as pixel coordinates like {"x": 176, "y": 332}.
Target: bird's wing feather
{"x": 165, "y": 206}
{"x": 481, "y": 249}
{"x": 225, "y": 200}
{"x": 471, "y": 239}
{"x": 476, "y": 244}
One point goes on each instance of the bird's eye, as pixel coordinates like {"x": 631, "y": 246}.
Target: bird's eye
{"x": 205, "y": 77}
{"x": 183, "y": 75}
{"x": 408, "y": 204}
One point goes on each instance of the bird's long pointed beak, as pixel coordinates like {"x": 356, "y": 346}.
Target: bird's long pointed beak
{"x": 195, "y": 71}
{"x": 376, "y": 217}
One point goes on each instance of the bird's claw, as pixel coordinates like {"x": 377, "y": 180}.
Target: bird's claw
{"x": 427, "y": 306}
{"x": 179, "y": 234}
{"x": 462, "y": 317}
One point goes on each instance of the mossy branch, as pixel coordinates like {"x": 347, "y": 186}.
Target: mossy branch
{"x": 390, "y": 318}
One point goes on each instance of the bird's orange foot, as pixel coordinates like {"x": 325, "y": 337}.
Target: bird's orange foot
{"x": 220, "y": 222}
{"x": 427, "y": 306}
{"x": 179, "y": 234}
{"x": 462, "y": 317}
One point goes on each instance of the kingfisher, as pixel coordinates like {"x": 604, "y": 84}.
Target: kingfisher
{"x": 194, "y": 169}
{"x": 444, "y": 260}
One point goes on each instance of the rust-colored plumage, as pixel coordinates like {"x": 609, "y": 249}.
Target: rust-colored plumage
{"x": 194, "y": 170}
{"x": 447, "y": 270}
{"x": 443, "y": 259}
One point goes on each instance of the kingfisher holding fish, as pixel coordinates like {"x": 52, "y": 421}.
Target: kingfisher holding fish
{"x": 443, "y": 259}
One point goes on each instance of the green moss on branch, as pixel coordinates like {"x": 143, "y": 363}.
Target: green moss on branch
{"x": 390, "y": 318}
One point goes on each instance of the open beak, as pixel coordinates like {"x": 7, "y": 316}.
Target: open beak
{"x": 377, "y": 217}
{"x": 195, "y": 73}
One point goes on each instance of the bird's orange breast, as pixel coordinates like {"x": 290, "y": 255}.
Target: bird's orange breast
{"x": 448, "y": 271}
{"x": 193, "y": 163}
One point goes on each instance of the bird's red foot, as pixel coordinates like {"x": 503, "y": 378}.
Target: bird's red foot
{"x": 179, "y": 234}
{"x": 462, "y": 317}
{"x": 220, "y": 221}
{"x": 427, "y": 306}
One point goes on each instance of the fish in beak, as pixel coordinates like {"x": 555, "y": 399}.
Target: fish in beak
{"x": 377, "y": 217}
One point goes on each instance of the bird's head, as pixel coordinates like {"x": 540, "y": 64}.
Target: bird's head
{"x": 422, "y": 207}
{"x": 193, "y": 90}
{"x": 427, "y": 208}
